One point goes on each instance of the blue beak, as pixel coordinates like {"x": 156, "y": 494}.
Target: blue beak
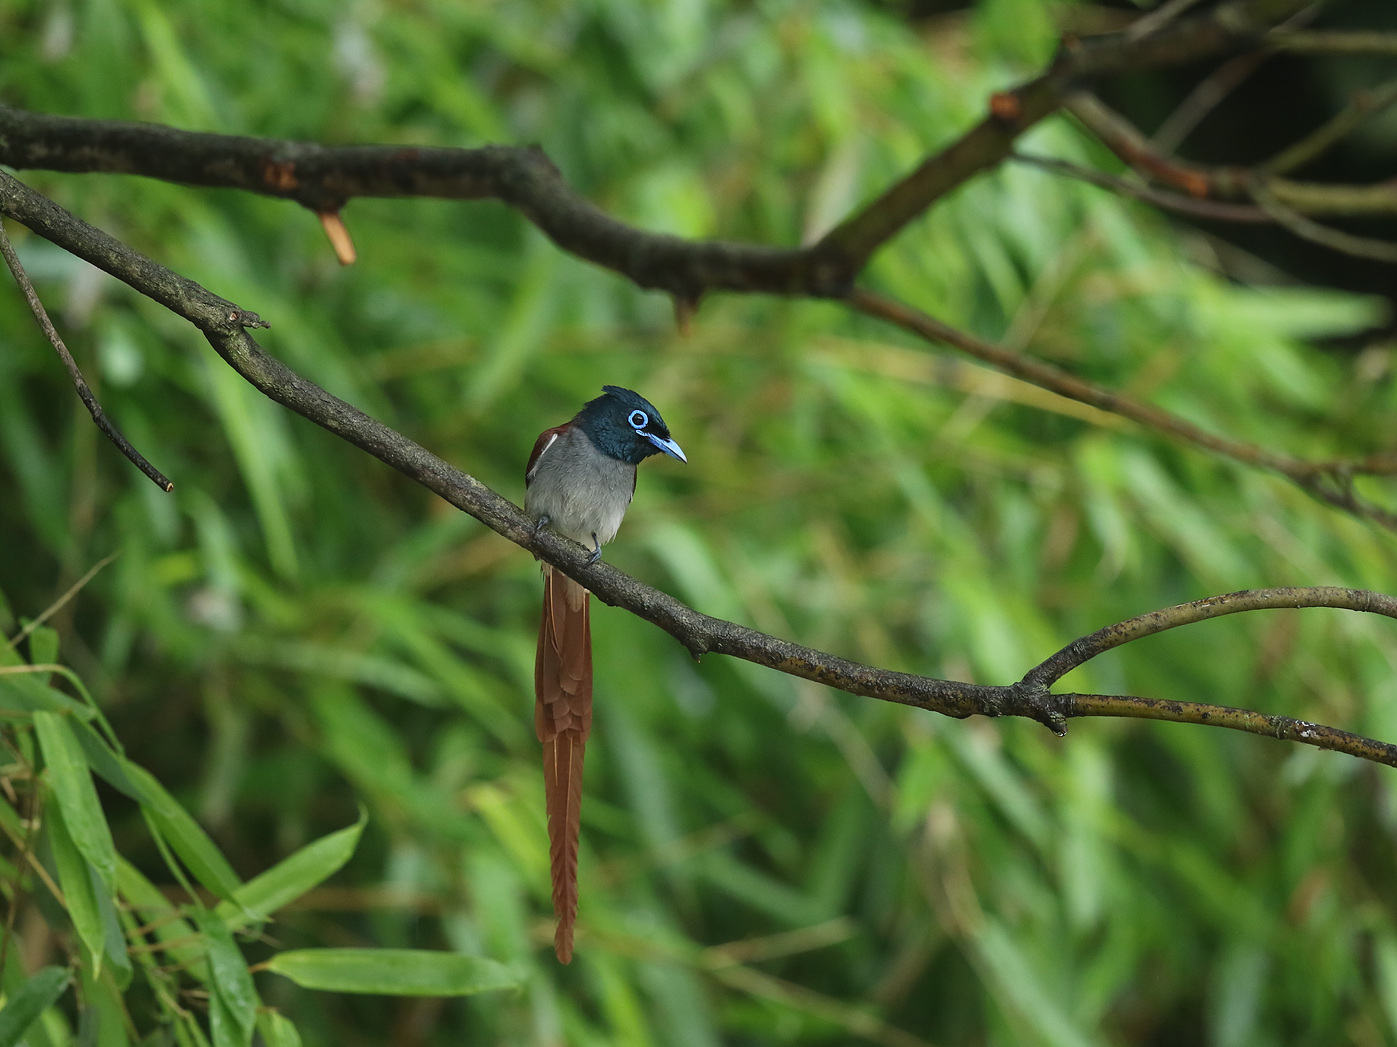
{"x": 669, "y": 447}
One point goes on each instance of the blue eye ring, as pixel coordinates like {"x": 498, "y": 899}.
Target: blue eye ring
{"x": 638, "y": 420}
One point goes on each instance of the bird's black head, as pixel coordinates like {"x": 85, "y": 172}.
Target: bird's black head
{"x": 625, "y": 425}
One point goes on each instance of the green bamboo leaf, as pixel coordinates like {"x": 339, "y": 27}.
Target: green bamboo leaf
{"x": 104, "y": 1020}
{"x": 109, "y": 766}
{"x": 76, "y": 795}
{"x": 231, "y": 982}
{"x": 43, "y": 645}
{"x": 39, "y": 992}
{"x": 223, "y": 1025}
{"x": 24, "y": 691}
{"x": 190, "y": 842}
{"x": 76, "y": 878}
{"x": 292, "y": 876}
{"x": 118, "y": 959}
{"x": 392, "y": 972}
{"x": 277, "y": 1030}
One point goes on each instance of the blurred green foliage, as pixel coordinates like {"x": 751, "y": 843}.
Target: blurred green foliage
{"x": 297, "y": 630}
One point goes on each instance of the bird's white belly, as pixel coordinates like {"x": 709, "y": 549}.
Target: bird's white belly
{"x": 590, "y": 503}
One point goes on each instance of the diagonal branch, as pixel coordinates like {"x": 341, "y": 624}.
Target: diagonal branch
{"x": 224, "y": 325}
{"x": 324, "y": 178}
{"x": 1225, "y": 183}
{"x": 108, "y": 427}
{"x": 1216, "y": 210}
{"x": 1285, "y": 728}
{"x": 1333, "y": 42}
{"x": 1328, "y": 481}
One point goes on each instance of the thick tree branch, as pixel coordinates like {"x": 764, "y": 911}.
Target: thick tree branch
{"x": 223, "y": 324}
{"x": 1228, "y": 27}
{"x": 324, "y": 178}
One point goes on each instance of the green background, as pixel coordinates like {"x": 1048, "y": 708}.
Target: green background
{"x": 297, "y": 629}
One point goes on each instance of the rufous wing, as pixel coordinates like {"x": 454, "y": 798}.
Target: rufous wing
{"x": 563, "y": 719}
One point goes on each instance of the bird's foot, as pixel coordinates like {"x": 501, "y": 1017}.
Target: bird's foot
{"x": 541, "y": 523}
{"x": 596, "y": 551}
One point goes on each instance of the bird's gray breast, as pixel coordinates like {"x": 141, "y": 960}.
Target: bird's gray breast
{"x": 582, "y": 491}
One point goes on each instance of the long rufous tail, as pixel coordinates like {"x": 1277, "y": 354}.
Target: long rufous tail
{"x": 563, "y": 719}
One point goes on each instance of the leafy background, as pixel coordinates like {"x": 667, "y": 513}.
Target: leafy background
{"x": 296, "y": 630}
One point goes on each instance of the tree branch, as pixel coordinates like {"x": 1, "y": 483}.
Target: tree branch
{"x": 1327, "y": 481}
{"x": 1333, "y": 43}
{"x": 324, "y": 178}
{"x": 1216, "y": 210}
{"x": 1362, "y": 105}
{"x": 1285, "y": 728}
{"x": 1226, "y": 183}
{"x": 223, "y": 324}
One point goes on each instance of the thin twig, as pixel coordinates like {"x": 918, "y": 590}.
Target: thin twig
{"x": 1333, "y": 42}
{"x": 26, "y": 854}
{"x": 58, "y": 604}
{"x": 1153, "y": 21}
{"x": 99, "y": 416}
{"x": 1362, "y": 106}
{"x": 1204, "y": 98}
{"x": 1079, "y": 652}
{"x": 1311, "y": 198}
{"x": 1067, "y": 706}
{"x": 1282, "y": 728}
{"x": 1324, "y": 480}
{"x": 1212, "y": 209}
{"x": 1214, "y": 88}
{"x": 1309, "y": 229}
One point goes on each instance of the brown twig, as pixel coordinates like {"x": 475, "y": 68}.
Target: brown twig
{"x": 1332, "y": 42}
{"x": 1308, "y": 229}
{"x": 99, "y": 416}
{"x": 1328, "y": 481}
{"x": 1077, "y": 653}
{"x": 1204, "y": 98}
{"x": 1228, "y": 183}
{"x": 1212, "y": 209}
{"x": 699, "y": 633}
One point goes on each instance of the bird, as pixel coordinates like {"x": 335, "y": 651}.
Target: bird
{"x": 579, "y": 482}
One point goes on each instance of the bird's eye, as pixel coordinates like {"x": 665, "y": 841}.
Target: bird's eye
{"x": 639, "y": 420}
